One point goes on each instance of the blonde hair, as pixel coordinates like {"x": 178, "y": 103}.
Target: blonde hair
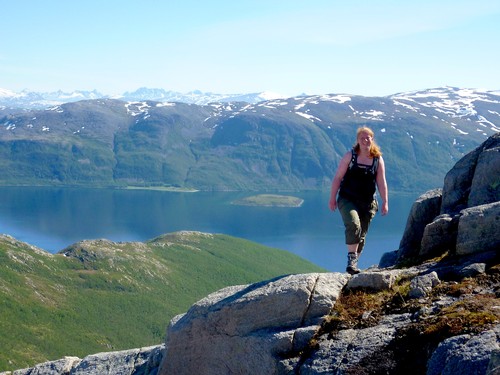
{"x": 374, "y": 148}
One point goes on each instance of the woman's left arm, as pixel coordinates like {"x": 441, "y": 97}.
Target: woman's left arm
{"x": 382, "y": 186}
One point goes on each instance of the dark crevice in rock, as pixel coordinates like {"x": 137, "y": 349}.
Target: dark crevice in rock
{"x": 309, "y": 304}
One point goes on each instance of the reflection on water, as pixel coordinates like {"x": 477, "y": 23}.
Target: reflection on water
{"x": 53, "y": 218}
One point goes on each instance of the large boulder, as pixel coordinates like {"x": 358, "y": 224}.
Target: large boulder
{"x": 485, "y": 186}
{"x": 243, "y": 328}
{"x": 462, "y": 218}
{"x": 423, "y": 211}
{"x": 474, "y": 179}
{"x": 479, "y": 229}
{"x": 457, "y": 183}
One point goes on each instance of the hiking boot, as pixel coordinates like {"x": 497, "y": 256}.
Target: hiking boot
{"x": 352, "y": 264}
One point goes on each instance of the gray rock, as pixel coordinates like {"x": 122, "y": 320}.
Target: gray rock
{"x": 345, "y": 351}
{"x": 141, "y": 361}
{"x": 422, "y": 285}
{"x": 472, "y": 182}
{"x": 423, "y": 212}
{"x": 373, "y": 280}
{"x": 134, "y": 361}
{"x": 479, "y": 229}
{"x": 464, "y": 354}
{"x": 241, "y": 329}
{"x": 461, "y": 181}
{"x": 473, "y": 270}
{"x": 439, "y": 236}
{"x": 59, "y": 367}
{"x": 302, "y": 337}
{"x": 485, "y": 186}
{"x": 457, "y": 183}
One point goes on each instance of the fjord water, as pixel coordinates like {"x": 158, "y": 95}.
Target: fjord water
{"x": 54, "y": 218}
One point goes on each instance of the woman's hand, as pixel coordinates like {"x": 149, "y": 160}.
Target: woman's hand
{"x": 385, "y": 208}
{"x": 333, "y": 204}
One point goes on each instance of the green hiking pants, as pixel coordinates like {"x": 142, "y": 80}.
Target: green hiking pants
{"x": 357, "y": 218}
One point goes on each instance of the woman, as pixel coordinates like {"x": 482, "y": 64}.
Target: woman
{"x": 360, "y": 172}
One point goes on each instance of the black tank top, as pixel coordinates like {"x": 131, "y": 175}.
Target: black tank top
{"x": 359, "y": 182}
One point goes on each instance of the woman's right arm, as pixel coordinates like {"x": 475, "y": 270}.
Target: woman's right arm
{"x": 337, "y": 179}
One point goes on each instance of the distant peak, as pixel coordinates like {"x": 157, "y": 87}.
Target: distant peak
{"x": 269, "y": 95}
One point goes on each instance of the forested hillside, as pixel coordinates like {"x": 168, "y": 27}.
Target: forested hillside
{"x": 102, "y": 296}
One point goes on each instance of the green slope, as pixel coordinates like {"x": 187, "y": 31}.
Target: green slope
{"x": 99, "y": 295}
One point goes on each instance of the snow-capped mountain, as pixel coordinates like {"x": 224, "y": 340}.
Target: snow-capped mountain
{"x": 276, "y": 144}
{"x": 34, "y": 100}
{"x": 196, "y": 96}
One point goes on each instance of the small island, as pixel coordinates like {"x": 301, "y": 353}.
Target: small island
{"x": 270, "y": 200}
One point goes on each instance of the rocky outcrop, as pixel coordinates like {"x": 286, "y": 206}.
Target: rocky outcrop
{"x": 478, "y": 228}
{"x": 141, "y": 361}
{"x": 423, "y": 211}
{"x": 474, "y": 180}
{"x": 461, "y": 218}
{"x": 281, "y": 326}
{"x": 245, "y": 328}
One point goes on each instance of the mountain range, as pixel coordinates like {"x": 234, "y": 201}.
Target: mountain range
{"x": 273, "y": 144}
{"x": 34, "y": 100}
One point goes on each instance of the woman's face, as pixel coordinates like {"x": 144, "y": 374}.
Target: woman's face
{"x": 365, "y": 140}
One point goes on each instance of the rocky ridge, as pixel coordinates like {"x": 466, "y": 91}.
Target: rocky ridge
{"x": 431, "y": 307}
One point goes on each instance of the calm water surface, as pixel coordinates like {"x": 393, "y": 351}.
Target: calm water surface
{"x": 54, "y": 218}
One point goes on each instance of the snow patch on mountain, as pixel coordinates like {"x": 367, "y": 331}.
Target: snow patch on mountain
{"x": 442, "y": 104}
{"x": 451, "y": 101}
{"x": 8, "y": 94}
{"x": 35, "y": 100}
{"x": 308, "y": 116}
{"x": 138, "y": 108}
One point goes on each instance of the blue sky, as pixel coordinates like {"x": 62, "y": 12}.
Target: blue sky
{"x": 242, "y": 46}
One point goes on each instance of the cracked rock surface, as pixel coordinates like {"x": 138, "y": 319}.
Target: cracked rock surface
{"x": 239, "y": 329}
